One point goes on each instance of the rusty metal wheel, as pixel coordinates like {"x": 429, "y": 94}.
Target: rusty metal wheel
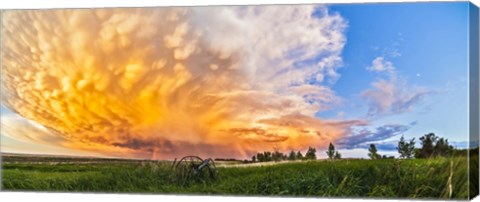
{"x": 186, "y": 168}
{"x": 193, "y": 168}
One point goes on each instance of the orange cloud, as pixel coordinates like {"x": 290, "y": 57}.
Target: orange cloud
{"x": 166, "y": 82}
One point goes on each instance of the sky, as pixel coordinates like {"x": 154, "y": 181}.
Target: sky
{"x": 223, "y": 82}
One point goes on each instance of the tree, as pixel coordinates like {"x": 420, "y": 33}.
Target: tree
{"x": 311, "y": 153}
{"x": 337, "y": 155}
{"x": 277, "y": 156}
{"x": 406, "y": 149}
{"x": 428, "y": 142}
{"x": 292, "y": 156}
{"x": 254, "y": 158}
{"x": 442, "y": 148}
{"x": 299, "y": 155}
{"x": 268, "y": 156}
{"x": 331, "y": 151}
{"x": 433, "y": 146}
{"x": 260, "y": 157}
{"x": 373, "y": 152}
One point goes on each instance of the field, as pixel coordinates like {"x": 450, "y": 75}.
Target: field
{"x": 390, "y": 178}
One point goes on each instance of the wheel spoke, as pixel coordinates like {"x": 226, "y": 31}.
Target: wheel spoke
{"x": 193, "y": 167}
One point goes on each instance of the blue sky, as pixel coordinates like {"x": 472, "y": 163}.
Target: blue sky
{"x": 427, "y": 45}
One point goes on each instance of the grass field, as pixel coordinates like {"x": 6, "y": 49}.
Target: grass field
{"x": 416, "y": 178}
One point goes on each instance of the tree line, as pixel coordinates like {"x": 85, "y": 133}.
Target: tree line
{"x": 279, "y": 156}
{"x": 431, "y": 146}
{"x": 292, "y": 156}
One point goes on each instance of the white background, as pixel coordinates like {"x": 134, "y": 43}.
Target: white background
{"x": 73, "y": 197}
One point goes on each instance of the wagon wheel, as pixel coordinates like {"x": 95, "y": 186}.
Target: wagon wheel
{"x": 186, "y": 168}
{"x": 212, "y": 169}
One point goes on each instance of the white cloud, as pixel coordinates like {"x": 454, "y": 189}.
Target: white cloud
{"x": 16, "y": 127}
{"x": 380, "y": 64}
{"x": 392, "y": 95}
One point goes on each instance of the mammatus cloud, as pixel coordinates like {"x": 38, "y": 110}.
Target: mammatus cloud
{"x": 166, "y": 82}
{"x": 391, "y": 95}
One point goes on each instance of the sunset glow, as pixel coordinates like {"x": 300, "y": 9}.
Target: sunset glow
{"x": 163, "y": 82}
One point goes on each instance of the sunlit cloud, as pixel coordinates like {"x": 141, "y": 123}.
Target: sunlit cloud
{"x": 166, "y": 82}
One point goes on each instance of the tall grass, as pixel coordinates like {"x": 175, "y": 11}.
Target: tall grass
{"x": 416, "y": 178}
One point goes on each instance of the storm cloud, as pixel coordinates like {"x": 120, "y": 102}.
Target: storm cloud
{"x": 160, "y": 82}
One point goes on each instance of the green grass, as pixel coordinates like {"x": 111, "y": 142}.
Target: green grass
{"x": 416, "y": 178}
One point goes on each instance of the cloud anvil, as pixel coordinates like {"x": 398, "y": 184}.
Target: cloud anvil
{"x": 146, "y": 82}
